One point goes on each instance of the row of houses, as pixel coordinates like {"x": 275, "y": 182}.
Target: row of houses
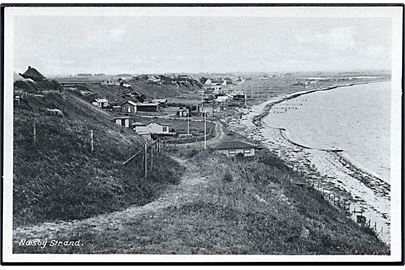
{"x": 131, "y": 107}
{"x": 151, "y": 129}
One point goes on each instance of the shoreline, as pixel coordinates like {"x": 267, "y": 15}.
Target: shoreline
{"x": 333, "y": 168}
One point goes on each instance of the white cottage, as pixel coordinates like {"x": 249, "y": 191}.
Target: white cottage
{"x": 151, "y": 128}
{"x": 122, "y": 121}
{"x": 234, "y": 148}
{"x": 100, "y": 102}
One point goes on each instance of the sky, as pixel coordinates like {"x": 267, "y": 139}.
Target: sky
{"x": 134, "y": 44}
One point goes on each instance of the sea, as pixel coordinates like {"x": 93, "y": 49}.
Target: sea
{"x": 355, "y": 119}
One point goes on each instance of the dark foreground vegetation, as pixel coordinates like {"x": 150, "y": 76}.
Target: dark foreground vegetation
{"x": 58, "y": 177}
{"x": 248, "y": 206}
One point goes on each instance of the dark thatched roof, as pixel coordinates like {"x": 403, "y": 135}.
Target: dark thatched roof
{"x": 33, "y": 74}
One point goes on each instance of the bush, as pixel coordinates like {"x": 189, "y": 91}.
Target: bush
{"x": 192, "y": 153}
{"x": 228, "y": 177}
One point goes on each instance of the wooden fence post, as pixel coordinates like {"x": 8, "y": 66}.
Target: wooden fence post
{"x": 91, "y": 141}
{"x": 145, "y": 156}
{"x": 35, "y": 133}
{"x": 151, "y": 156}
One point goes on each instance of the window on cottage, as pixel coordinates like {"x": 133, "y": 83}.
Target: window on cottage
{"x": 247, "y": 151}
{"x": 231, "y": 151}
{"x": 164, "y": 129}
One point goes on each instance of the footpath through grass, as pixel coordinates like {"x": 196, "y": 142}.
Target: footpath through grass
{"x": 255, "y": 206}
{"x": 58, "y": 177}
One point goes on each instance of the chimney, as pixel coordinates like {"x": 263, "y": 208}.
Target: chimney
{"x": 29, "y": 67}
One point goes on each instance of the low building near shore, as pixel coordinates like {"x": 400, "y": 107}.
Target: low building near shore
{"x": 233, "y": 148}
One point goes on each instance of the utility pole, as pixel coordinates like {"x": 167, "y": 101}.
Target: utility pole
{"x": 91, "y": 141}
{"x": 205, "y": 131}
{"x": 188, "y": 122}
{"x": 151, "y": 157}
{"x": 35, "y": 133}
{"x": 145, "y": 157}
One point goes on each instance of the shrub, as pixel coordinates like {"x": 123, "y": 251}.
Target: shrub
{"x": 228, "y": 177}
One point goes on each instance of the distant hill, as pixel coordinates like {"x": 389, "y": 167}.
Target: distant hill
{"x": 144, "y": 86}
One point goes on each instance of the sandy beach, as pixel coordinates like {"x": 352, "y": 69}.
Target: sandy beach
{"x": 331, "y": 171}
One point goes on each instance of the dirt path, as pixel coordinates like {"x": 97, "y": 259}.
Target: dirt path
{"x": 174, "y": 195}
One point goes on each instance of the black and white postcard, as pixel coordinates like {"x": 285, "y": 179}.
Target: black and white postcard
{"x": 202, "y": 133}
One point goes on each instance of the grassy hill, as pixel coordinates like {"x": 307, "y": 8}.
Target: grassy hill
{"x": 167, "y": 88}
{"x": 59, "y": 177}
{"x": 245, "y": 206}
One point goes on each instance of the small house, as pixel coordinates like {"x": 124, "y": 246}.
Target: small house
{"x": 100, "y": 102}
{"x": 129, "y": 107}
{"x": 233, "y": 148}
{"x": 183, "y": 112}
{"x": 151, "y": 128}
{"x": 239, "y": 95}
{"x": 208, "y": 82}
{"x": 160, "y": 101}
{"x": 122, "y": 121}
{"x": 222, "y": 98}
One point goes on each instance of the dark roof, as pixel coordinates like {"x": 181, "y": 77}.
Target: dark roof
{"x": 33, "y": 74}
{"x": 234, "y": 145}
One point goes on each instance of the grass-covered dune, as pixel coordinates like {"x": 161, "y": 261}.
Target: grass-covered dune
{"x": 59, "y": 178}
{"x": 256, "y": 206}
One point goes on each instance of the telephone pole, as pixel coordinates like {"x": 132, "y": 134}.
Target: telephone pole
{"x": 91, "y": 141}
{"x": 188, "y": 122}
{"x": 35, "y": 133}
{"x": 145, "y": 156}
{"x": 205, "y": 130}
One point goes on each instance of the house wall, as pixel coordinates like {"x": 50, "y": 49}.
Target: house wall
{"x": 152, "y": 128}
{"x": 150, "y": 108}
{"x": 234, "y": 152}
{"x": 128, "y": 108}
{"x": 122, "y": 122}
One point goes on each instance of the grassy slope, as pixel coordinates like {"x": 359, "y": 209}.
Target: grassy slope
{"x": 248, "y": 207}
{"x": 60, "y": 178}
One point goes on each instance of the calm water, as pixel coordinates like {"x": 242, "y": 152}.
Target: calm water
{"x": 355, "y": 119}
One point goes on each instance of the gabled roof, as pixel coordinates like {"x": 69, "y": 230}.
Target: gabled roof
{"x": 149, "y": 123}
{"x": 147, "y": 104}
{"x": 138, "y": 124}
{"x": 234, "y": 145}
{"x": 32, "y": 73}
{"x": 101, "y": 100}
{"x": 159, "y": 100}
{"x": 160, "y": 124}
{"x": 130, "y": 102}
{"x": 121, "y": 117}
